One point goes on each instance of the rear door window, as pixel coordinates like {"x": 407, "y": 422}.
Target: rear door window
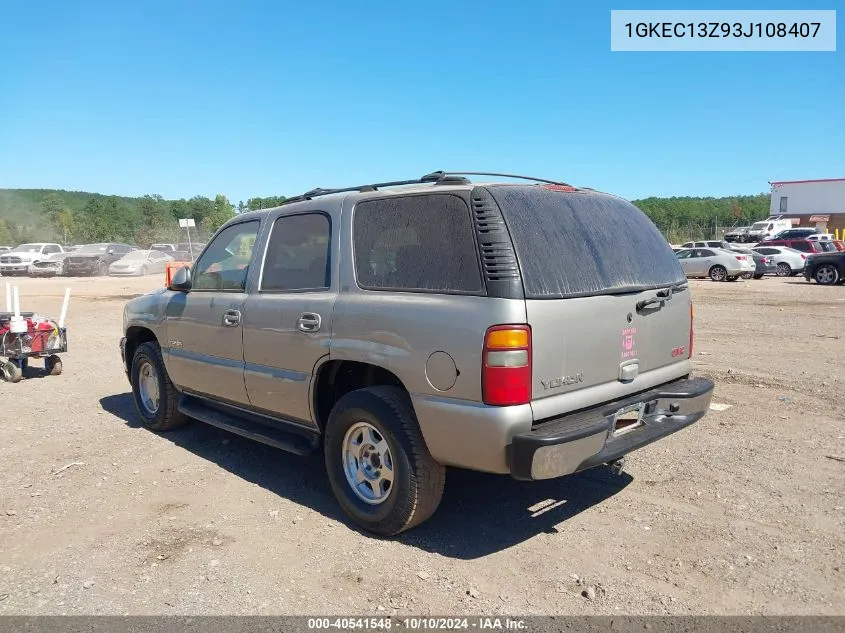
{"x": 298, "y": 254}
{"x": 582, "y": 244}
{"x": 420, "y": 243}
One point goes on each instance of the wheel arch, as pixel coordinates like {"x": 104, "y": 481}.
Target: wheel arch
{"x": 137, "y": 335}
{"x": 335, "y": 378}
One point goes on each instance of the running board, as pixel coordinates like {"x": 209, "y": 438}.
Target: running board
{"x": 298, "y": 441}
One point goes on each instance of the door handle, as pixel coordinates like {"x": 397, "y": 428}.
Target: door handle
{"x": 309, "y": 322}
{"x": 232, "y": 318}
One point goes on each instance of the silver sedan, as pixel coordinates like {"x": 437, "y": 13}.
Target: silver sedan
{"x": 716, "y": 263}
{"x": 139, "y": 263}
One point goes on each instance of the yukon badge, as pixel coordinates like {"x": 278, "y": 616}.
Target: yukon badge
{"x": 554, "y": 383}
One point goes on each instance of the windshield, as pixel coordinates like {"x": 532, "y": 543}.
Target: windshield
{"x": 759, "y": 226}
{"x": 135, "y": 256}
{"x": 28, "y": 248}
{"x": 93, "y": 248}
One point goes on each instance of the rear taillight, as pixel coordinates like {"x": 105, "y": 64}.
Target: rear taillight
{"x": 740, "y": 257}
{"x": 691, "y": 327}
{"x": 506, "y": 365}
{"x": 803, "y": 256}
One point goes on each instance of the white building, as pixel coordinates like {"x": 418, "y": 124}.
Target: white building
{"x": 813, "y": 203}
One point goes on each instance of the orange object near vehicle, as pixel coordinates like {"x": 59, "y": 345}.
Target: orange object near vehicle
{"x": 170, "y": 268}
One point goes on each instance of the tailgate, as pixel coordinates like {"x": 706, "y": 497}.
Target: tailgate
{"x": 605, "y": 340}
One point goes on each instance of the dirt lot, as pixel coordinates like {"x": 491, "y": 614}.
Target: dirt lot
{"x": 742, "y": 513}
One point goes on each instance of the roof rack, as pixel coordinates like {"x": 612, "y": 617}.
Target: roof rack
{"x": 435, "y": 177}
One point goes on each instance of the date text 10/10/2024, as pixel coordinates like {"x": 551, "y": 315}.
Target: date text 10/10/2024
{"x": 418, "y": 623}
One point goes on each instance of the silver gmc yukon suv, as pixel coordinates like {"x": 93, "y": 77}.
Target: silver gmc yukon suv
{"x": 533, "y": 329}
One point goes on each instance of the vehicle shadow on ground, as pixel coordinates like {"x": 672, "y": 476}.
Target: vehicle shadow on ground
{"x": 480, "y": 514}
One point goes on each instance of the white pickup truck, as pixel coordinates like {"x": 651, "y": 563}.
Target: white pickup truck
{"x": 18, "y": 260}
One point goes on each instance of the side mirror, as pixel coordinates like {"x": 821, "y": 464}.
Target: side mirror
{"x": 181, "y": 280}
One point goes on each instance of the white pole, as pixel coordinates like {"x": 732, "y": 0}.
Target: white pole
{"x": 190, "y": 246}
{"x": 64, "y": 308}
{"x": 8, "y": 297}
{"x": 16, "y": 303}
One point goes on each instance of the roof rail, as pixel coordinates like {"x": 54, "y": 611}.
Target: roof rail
{"x": 435, "y": 177}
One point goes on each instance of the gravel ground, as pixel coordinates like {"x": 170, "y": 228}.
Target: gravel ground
{"x": 742, "y": 513}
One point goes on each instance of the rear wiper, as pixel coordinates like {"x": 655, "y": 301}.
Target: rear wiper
{"x": 662, "y": 295}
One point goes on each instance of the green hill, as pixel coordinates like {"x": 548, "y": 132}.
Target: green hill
{"x": 79, "y": 216}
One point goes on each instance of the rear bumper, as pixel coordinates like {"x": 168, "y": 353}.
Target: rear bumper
{"x": 582, "y": 440}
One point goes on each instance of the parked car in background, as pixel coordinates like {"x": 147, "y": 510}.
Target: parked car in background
{"x": 764, "y": 265}
{"x": 716, "y": 263}
{"x": 50, "y": 266}
{"x": 71, "y": 249}
{"x": 826, "y": 269}
{"x": 794, "y": 234}
{"x": 766, "y": 229}
{"x": 709, "y": 244}
{"x": 166, "y": 248}
{"x": 737, "y": 235}
{"x": 822, "y": 237}
{"x": 138, "y": 263}
{"x": 18, "y": 260}
{"x": 95, "y": 259}
{"x": 3, "y": 249}
{"x": 788, "y": 261}
{"x": 193, "y": 249}
{"x": 803, "y": 245}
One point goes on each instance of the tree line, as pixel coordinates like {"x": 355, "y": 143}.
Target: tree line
{"x": 79, "y": 217}
{"x": 28, "y": 215}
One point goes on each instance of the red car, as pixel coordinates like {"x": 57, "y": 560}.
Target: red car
{"x": 805, "y": 246}
{"x": 838, "y": 244}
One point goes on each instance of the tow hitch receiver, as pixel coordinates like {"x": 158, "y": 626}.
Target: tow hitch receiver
{"x": 627, "y": 419}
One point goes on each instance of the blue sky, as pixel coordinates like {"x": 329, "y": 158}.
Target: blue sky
{"x": 259, "y": 98}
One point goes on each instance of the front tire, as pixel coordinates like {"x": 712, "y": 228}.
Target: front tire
{"x": 758, "y": 276}
{"x": 826, "y": 275}
{"x": 156, "y": 399}
{"x": 749, "y": 276}
{"x": 718, "y": 273}
{"x": 11, "y": 372}
{"x": 378, "y": 465}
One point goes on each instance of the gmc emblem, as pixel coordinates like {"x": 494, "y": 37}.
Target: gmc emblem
{"x": 678, "y": 351}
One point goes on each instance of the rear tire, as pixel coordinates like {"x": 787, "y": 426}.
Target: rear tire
{"x": 826, "y": 275}
{"x": 156, "y": 399}
{"x": 758, "y": 276}
{"x": 750, "y": 275}
{"x": 380, "y": 422}
{"x": 718, "y": 273}
{"x": 784, "y": 270}
{"x": 53, "y": 365}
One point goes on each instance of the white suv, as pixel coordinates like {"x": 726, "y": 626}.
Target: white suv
{"x": 18, "y": 260}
